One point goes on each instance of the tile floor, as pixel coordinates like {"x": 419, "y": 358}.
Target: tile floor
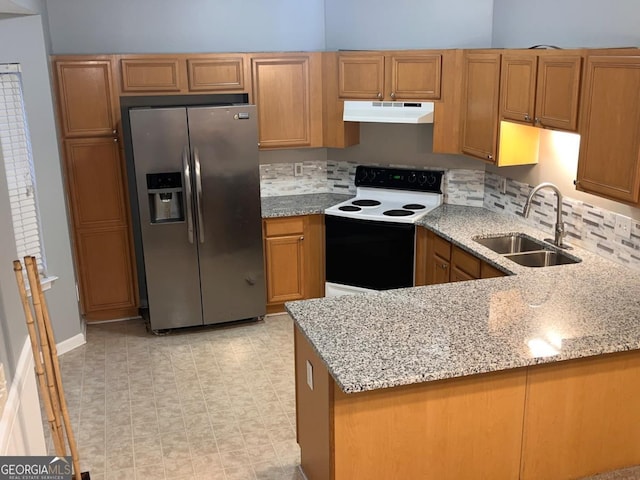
{"x": 207, "y": 403}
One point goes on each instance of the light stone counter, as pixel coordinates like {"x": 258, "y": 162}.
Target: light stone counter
{"x": 292, "y": 205}
{"x": 536, "y": 315}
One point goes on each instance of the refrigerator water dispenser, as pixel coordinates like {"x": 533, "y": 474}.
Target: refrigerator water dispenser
{"x": 165, "y": 197}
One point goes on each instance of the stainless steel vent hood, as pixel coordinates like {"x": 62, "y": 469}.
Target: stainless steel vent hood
{"x": 388, "y": 112}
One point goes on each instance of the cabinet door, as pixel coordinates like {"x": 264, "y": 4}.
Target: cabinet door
{"x": 289, "y": 101}
{"x": 609, "y": 161}
{"x": 361, "y": 76}
{"x": 518, "y": 87}
{"x": 464, "y": 266}
{"x": 558, "y": 91}
{"x": 85, "y": 98}
{"x": 285, "y": 272}
{"x": 215, "y": 73}
{"x": 95, "y": 183}
{"x": 439, "y": 270}
{"x": 150, "y": 74}
{"x": 105, "y": 272}
{"x": 489, "y": 271}
{"x": 480, "y": 105}
{"x": 414, "y": 76}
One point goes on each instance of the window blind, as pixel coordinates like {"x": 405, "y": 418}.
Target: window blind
{"x": 15, "y": 150}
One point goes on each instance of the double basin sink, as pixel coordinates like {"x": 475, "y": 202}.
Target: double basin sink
{"x": 527, "y": 251}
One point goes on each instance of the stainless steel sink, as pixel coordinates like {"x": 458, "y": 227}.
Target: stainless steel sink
{"x": 542, "y": 258}
{"x": 526, "y": 251}
{"x": 512, "y": 243}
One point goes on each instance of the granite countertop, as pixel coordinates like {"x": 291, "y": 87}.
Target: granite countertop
{"x": 291, "y": 205}
{"x": 536, "y": 315}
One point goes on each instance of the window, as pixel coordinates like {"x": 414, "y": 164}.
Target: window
{"x": 15, "y": 150}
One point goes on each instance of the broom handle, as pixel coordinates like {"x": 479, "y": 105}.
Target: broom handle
{"x": 37, "y": 358}
{"x": 56, "y": 370}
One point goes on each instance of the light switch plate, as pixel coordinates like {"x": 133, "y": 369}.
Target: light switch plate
{"x": 309, "y": 374}
{"x": 623, "y": 227}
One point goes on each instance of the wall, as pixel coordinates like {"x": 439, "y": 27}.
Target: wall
{"x": 22, "y": 41}
{"x": 164, "y": 26}
{"x": 380, "y": 24}
{"x": 400, "y": 144}
{"x": 567, "y": 24}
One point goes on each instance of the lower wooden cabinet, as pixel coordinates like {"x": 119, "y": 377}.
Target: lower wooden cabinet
{"x": 101, "y": 228}
{"x": 438, "y": 261}
{"x": 294, "y": 257}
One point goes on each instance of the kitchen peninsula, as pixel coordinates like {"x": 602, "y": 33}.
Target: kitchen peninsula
{"x": 535, "y": 375}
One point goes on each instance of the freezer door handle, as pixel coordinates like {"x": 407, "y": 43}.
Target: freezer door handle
{"x": 196, "y": 163}
{"x": 186, "y": 170}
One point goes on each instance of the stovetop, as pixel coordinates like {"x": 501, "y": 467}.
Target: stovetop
{"x": 391, "y": 195}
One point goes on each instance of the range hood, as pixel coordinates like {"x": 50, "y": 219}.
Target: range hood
{"x": 388, "y": 112}
{"x": 10, "y": 7}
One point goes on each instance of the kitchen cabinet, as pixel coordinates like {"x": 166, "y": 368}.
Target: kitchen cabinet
{"x": 541, "y": 89}
{"x": 609, "y": 159}
{"x": 97, "y": 198}
{"x": 336, "y": 133}
{"x": 390, "y": 75}
{"x": 183, "y": 74}
{"x": 294, "y": 257}
{"x": 438, "y": 261}
{"x": 287, "y": 89}
{"x": 86, "y": 101}
{"x": 481, "y": 87}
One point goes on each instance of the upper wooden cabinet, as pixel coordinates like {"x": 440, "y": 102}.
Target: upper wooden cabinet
{"x": 481, "y": 87}
{"x": 541, "y": 89}
{"x": 609, "y": 159}
{"x": 287, "y": 90}
{"x": 183, "y": 74}
{"x": 409, "y": 75}
{"x": 85, "y": 97}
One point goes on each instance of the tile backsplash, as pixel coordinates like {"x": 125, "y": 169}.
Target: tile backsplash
{"x": 588, "y": 226}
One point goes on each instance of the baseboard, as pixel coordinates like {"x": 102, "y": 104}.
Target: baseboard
{"x": 73, "y": 342}
{"x": 21, "y": 431}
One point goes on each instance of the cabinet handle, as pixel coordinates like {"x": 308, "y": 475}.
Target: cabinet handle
{"x": 301, "y": 237}
{"x": 379, "y": 96}
{"x": 115, "y": 132}
{"x": 115, "y": 140}
{"x": 489, "y": 157}
{"x": 537, "y": 121}
{"x": 393, "y": 95}
{"x": 444, "y": 266}
{"x": 527, "y": 118}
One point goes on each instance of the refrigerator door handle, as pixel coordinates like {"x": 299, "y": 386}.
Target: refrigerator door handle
{"x": 186, "y": 170}
{"x": 196, "y": 162}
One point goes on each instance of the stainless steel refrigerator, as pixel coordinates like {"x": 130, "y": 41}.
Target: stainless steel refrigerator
{"x": 198, "y": 190}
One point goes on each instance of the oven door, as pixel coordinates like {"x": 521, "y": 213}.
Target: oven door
{"x": 369, "y": 254}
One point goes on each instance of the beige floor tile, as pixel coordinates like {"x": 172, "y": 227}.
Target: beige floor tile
{"x": 119, "y": 474}
{"x": 149, "y": 472}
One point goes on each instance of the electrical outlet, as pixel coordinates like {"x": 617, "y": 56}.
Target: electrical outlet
{"x": 503, "y": 185}
{"x": 297, "y": 169}
{"x": 623, "y": 226}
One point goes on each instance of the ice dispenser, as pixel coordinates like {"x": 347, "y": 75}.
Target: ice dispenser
{"x": 165, "y": 197}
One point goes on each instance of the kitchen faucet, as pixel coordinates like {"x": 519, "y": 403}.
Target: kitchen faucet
{"x": 559, "y": 229}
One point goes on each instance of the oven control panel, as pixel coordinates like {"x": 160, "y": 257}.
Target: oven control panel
{"x": 399, "y": 178}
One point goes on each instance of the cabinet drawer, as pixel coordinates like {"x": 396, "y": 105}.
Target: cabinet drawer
{"x": 274, "y": 227}
{"x": 441, "y": 247}
{"x": 466, "y": 262}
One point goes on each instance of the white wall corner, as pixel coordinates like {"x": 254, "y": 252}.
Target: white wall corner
{"x": 21, "y": 430}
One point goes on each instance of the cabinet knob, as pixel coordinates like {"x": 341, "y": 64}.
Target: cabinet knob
{"x": 444, "y": 266}
{"x": 302, "y": 237}
{"x": 115, "y": 132}
{"x": 527, "y": 118}
{"x": 393, "y": 95}
{"x": 489, "y": 157}
{"x": 379, "y": 96}
{"x": 115, "y": 140}
{"x": 537, "y": 121}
